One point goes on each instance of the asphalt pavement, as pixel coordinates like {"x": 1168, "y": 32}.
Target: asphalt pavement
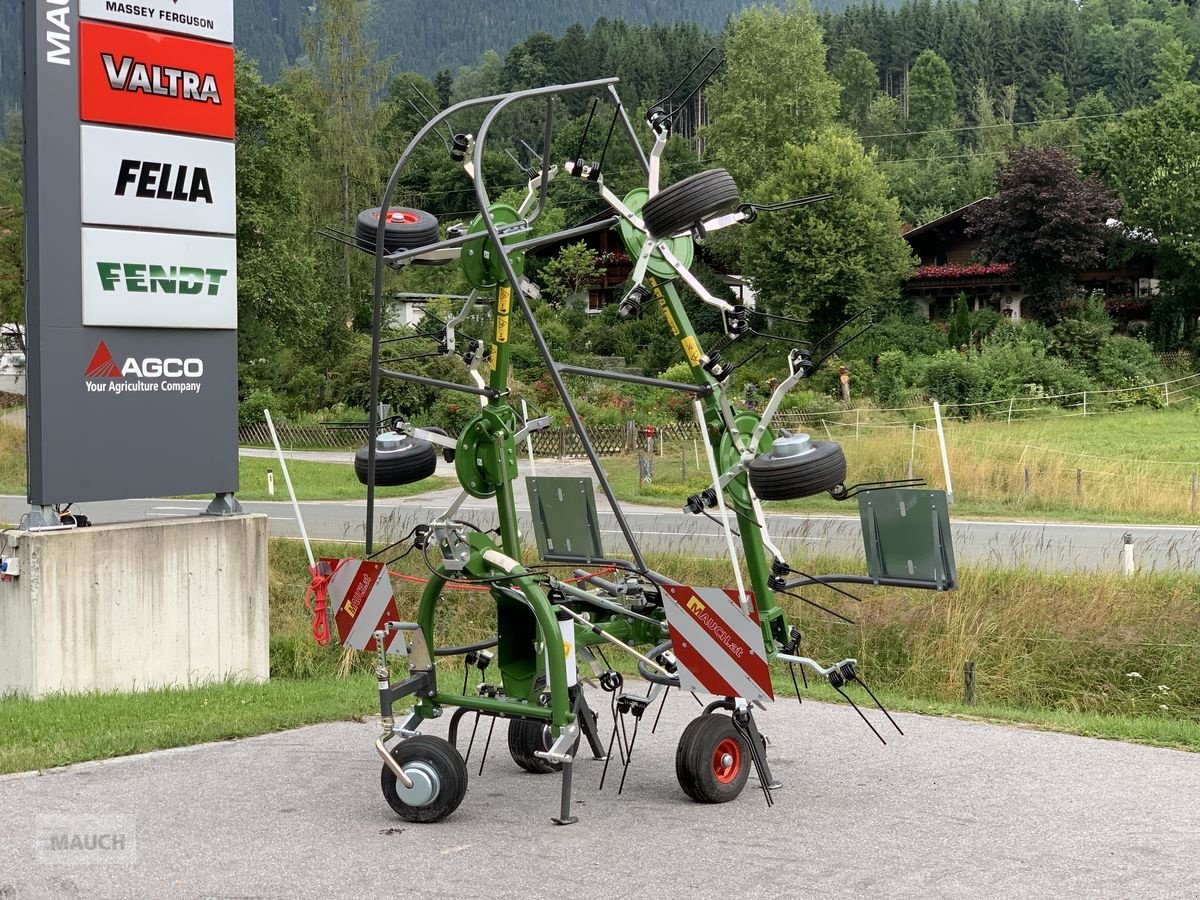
{"x": 952, "y": 809}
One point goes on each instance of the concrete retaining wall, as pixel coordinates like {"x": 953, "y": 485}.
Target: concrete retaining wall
{"x": 135, "y": 606}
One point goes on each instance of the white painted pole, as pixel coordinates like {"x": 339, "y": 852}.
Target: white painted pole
{"x": 528, "y": 439}
{"x": 912, "y": 453}
{"x": 1010, "y": 409}
{"x": 270, "y": 483}
{"x": 716, "y": 477}
{"x": 1127, "y": 564}
{"x": 937, "y": 414}
{"x": 312, "y": 562}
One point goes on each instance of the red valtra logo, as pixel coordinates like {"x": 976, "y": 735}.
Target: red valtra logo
{"x": 142, "y": 79}
{"x": 103, "y": 365}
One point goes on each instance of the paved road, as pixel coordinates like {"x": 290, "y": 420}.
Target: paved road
{"x": 1005, "y": 544}
{"x": 954, "y": 809}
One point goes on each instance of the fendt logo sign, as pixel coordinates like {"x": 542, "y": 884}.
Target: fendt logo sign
{"x": 145, "y": 80}
{"x": 160, "y": 181}
{"x": 209, "y": 19}
{"x": 147, "y": 280}
{"x": 141, "y": 376}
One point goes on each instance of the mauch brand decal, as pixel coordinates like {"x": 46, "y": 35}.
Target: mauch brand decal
{"x": 164, "y": 181}
{"x": 147, "y": 80}
{"x": 58, "y": 32}
{"x": 144, "y": 278}
{"x": 149, "y": 375}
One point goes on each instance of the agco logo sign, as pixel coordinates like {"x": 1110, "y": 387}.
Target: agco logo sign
{"x": 145, "y": 376}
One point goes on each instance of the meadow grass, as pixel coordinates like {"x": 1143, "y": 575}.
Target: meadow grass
{"x": 1129, "y": 467}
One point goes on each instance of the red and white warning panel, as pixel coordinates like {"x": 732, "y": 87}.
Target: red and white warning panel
{"x": 361, "y": 594}
{"x": 718, "y": 647}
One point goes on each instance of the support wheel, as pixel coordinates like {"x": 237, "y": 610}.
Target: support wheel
{"x": 712, "y": 761}
{"x": 398, "y": 460}
{"x": 405, "y": 229}
{"x": 797, "y": 467}
{"x": 439, "y": 778}
{"x": 686, "y": 203}
{"x": 525, "y": 737}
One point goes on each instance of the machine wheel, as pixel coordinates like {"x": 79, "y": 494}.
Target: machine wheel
{"x": 819, "y": 469}
{"x": 524, "y": 738}
{"x": 447, "y": 452}
{"x": 405, "y": 229}
{"x": 713, "y": 760}
{"x": 439, "y": 779}
{"x": 684, "y": 203}
{"x": 400, "y": 460}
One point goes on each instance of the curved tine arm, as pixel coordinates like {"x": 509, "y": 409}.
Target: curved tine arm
{"x": 692, "y": 281}
{"x": 629, "y": 130}
{"x": 458, "y": 318}
{"x": 772, "y": 407}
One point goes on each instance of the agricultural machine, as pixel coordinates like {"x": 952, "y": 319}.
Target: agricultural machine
{"x": 709, "y": 641}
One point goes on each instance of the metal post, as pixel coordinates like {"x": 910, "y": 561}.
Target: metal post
{"x": 1010, "y": 409}
{"x": 528, "y": 439}
{"x": 912, "y": 453}
{"x": 937, "y": 415}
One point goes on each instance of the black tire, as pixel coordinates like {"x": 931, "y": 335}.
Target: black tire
{"x": 685, "y": 203}
{"x": 526, "y": 736}
{"x": 712, "y": 761}
{"x": 425, "y": 753}
{"x": 406, "y": 229}
{"x": 447, "y": 452}
{"x": 789, "y": 478}
{"x": 410, "y": 462}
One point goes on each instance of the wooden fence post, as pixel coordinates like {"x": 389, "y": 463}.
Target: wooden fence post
{"x": 1028, "y": 480}
{"x": 562, "y": 443}
{"x": 969, "y": 683}
{"x": 1079, "y": 482}
{"x": 1194, "y": 487}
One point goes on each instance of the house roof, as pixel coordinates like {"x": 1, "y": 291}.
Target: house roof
{"x": 944, "y": 220}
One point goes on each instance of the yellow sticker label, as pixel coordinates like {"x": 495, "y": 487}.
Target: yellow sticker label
{"x": 503, "y": 307}
{"x": 692, "y": 349}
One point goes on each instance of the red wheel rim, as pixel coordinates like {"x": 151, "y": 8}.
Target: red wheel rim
{"x": 402, "y": 217}
{"x": 727, "y": 761}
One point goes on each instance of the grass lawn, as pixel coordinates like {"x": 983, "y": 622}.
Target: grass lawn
{"x": 57, "y": 731}
{"x": 319, "y": 481}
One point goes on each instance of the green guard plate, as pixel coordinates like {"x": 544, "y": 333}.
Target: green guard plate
{"x": 682, "y": 247}
{"x": 727, "y": 455}
{"x": 481, "y": 266}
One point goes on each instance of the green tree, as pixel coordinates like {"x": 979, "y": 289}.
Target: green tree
{"x": 774, "y": 91}
{"x": 960, "y": 326}
{"x": 571, "y": 271}
{"x": 1149, "y": 159}
{"x": 12, "y": 225}
{"x": 1046, "y": 220}
{"x": 930, "y": 94}
{"x": 1171, "y": 66}
{"x": 827, "y": 261}
{"x": 280, "y": 303}
{"x": 859, "y": 81}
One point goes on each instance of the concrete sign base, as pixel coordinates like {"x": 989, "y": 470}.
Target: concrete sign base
{"x": 175, "y": 602}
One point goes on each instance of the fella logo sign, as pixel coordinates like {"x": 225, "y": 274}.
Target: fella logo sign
{"x": 151, "y": 375}
{"x": 147, "y": 80}
{"x": 158, "y": 181}
{"x": 146, "y": 280}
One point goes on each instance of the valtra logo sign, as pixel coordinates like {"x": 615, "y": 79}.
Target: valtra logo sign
{"x": 147, "y": 80}
{"x": 170, "y": 375}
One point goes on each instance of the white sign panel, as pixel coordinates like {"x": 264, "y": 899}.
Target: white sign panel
{"x": 139, "y": 279}
{"x": 158, "y": 181}
{"x": 211, "y": 19}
